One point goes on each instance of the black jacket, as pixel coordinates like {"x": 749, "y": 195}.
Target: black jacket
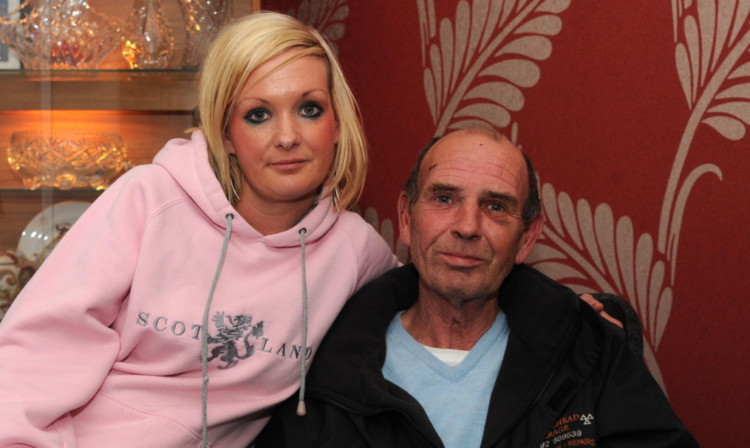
{"x": 567, "y": 379}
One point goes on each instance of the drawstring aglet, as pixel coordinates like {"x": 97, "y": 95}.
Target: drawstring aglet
{"x": 301, "y": 409}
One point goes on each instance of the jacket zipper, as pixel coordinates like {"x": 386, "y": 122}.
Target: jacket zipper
{"x": 544, "y": 387}
{"x": 520, "y": 416}
{"x": 536, "y": 400}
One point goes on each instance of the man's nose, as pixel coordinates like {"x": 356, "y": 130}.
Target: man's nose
{"x": 287, "y": 132}
{"x": 467, "y": 223}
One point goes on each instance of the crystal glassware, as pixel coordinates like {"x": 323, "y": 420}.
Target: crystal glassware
{"x": 202, "y": 19}
{"x": 67, "y": 159}
{"x": 61, "y": 34}
{"x": 148, "y": 41}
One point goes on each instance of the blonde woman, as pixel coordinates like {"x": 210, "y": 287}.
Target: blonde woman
{"x": 190, "y": 297}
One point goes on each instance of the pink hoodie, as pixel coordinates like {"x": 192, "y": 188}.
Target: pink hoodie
{"x": 103, "y": 346}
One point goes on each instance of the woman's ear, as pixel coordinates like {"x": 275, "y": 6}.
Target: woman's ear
{"x": 229, "y": 146}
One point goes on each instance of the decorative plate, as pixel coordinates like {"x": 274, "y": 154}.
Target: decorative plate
{"x": 43, "y": 232}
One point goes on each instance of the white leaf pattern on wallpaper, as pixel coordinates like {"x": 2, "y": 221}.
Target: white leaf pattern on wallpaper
{"x": 474, "y": 71}
{"x": 713, "y": 64}
{"x": 327, "y": 16}
{"x": 476, "y": 66}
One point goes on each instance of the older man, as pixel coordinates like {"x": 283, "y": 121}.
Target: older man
{"x": 467, "y": 347}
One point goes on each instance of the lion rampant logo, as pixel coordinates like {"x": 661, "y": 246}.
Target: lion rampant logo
{"x": 231, "y": 330}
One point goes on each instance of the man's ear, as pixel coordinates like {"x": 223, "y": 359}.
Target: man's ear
{"x": 404, "y": 219}
{"x": 528, "y": 238}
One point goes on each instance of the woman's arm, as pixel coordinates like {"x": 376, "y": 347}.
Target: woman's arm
{"x": 56, "y": 346}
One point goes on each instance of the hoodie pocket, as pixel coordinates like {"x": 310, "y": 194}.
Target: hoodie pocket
{"x": 108, "y": 422}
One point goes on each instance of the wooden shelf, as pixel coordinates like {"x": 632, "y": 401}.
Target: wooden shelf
{"x": 125, "y": 90}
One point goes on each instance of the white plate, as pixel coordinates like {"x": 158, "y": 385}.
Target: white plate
{"x": 44, "y": 231}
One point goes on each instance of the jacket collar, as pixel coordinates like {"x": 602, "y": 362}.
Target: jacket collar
{"x": 540, "y": 313}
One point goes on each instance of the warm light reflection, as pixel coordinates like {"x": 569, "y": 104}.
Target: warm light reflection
{"x": 74, "y": 120}
{"x": 130, "y": 52}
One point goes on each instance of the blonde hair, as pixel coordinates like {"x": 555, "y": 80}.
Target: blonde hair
{"x": 238, "y": 50}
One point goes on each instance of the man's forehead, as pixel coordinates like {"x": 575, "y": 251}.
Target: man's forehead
{"x": 473, "y": 157}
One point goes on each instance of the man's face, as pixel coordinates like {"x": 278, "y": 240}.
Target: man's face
{"x": 465, "y": 231}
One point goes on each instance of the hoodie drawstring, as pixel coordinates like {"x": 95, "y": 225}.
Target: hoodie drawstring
{"x": 204, "y": 333}
{"x": 301, "y": 410}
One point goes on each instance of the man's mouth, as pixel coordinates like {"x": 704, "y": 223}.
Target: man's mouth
{"x": 463, "y": 260}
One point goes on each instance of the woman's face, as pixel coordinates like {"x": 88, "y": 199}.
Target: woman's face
{"x": 283, "y": 131}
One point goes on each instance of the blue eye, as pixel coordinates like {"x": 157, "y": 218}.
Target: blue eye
{"x": 257, "y": 116}
{"x": 497, "y": 207}
{"x": 443, "y": 199}
{"x": 311, "y": 110}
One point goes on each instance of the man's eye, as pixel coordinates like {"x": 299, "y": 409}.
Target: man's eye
{"x": 495, "y": 207}
{"x": 257, "y": 116}
{"x": 311, "y": 110}
{"x": 443, "y": 199}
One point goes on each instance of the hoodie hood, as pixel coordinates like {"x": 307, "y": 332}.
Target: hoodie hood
{"x": 187, "y": 162}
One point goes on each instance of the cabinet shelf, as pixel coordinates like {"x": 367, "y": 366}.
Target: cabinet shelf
{"x": 71, "y": 194}
{"x": 125, "y": 90}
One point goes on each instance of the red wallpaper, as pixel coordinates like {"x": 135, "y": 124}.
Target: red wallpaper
{"x": 636, "y": 114}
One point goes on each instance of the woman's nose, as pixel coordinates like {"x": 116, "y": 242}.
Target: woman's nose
{"x": 287, "y": 133}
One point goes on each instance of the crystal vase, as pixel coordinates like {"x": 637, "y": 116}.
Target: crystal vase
{"x": 148, "y": 41}
{"x": 62, "y": 34}
{"x": 202, "y": 18}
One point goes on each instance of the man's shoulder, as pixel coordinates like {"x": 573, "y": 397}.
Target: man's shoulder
{"x": 546, "y": 289}
{"x": 528, "y": 278}
{"x": 526, "y": 289}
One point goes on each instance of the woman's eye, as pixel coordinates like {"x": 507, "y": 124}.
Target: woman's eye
{"x": 311, "y": 110}
{"x": 257, "y": 116}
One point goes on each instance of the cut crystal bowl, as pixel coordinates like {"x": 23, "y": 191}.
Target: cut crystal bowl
{"x": 67, "y": 160}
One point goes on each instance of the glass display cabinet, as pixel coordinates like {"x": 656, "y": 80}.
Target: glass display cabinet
{"x": 72, "y": 120}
